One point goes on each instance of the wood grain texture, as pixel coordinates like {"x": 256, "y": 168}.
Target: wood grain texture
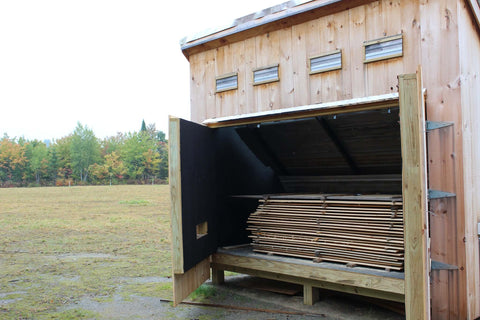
{"x": 398, "y": 297}
{"x": 186, "y": 283}
{"x": 469, "y": 41}
{"x": 175, "y": 181}
{"x": 379, "y": 283}
{"x": 439, "y": 33}
{"x": 412, "y": 126}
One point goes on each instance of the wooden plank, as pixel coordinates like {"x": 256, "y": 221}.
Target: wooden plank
{"x": 300, "y": 75}
{"x": 186, "y": 283}
{"x": 175, "y": 182}
{"x": 287, "y": 87}
{"x": 439, "y": 33}
{"x": 412, "y": 126}
{"x": 469, "y": 41}
{"x": 339, "y": 277}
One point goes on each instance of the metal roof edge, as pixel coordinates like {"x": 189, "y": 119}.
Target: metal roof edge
{"x": 389, "y": 97}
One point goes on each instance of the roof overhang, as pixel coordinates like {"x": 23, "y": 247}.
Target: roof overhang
{"x": 328, "y": 108}
{"x": 278, "y": 17}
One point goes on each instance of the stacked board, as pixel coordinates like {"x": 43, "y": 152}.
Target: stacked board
{"x": 354, "y": 230}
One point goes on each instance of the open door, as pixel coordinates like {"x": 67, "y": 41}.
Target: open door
{"x": 192, "y": 192}
{"x": 206, "y": 167}
{"x": 415, "y": 196}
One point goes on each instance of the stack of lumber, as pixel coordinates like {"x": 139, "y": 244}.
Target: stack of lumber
{"x": 354, "y": 230}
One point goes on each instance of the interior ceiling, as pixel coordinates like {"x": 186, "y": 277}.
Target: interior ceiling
{"x": 356, "y": 143}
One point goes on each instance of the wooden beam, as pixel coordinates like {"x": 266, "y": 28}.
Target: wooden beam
{"x": 339, "y": 277}
{"x": 412, "y": 128}
{"x": 266, "y": 152}
{"x": 175, "y": 179}
{"x": 341, "y": 287}
{"x": 338, "y": 144}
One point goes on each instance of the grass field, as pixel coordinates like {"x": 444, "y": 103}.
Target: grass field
{"x": 61, "y": 245}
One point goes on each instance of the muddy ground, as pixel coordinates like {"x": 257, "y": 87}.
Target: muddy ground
{"x": 236, "y": 299}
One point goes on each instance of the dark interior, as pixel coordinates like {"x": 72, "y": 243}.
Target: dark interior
{"x": 354, "y": 153}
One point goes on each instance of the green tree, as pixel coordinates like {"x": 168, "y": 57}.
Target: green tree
{"x": 137, "y": 154}
{"x": 162, "y": 149}
{"x": 144, "y": 127}
{"x": 85, "y": 151}
{"x": 37, "y": 154}
{"x": 61, "y": 148}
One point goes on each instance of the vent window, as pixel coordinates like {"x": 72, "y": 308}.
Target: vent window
{"x": 265, "y": 75}
{"x": 326, "y": 62}
{"x": 227, "y": 82}
{"x": 384, "y": 48}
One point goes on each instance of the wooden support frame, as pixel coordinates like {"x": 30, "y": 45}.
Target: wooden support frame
{"x": 412, "y": 129}
{"x": 374, "y": 286}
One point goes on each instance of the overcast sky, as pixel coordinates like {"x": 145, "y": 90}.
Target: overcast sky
{"x": 105, "y": 63}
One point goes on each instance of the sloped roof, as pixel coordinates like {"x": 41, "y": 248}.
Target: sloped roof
{"x": 273, "y": 18}
{"x": 277, "y": 17}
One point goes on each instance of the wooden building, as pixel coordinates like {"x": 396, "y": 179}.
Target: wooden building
{"x": 341, "y": 97}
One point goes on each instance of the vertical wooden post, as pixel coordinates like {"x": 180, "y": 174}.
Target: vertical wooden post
{"x": 218, "y": 276}
{"x": 310, "y": 294}
{"x": 414, "y": 189}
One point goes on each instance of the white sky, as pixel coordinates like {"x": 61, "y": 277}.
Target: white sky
{"x": 106, "y": 63}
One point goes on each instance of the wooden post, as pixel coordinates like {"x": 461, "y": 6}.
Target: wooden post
{"x": 310, "y": 294}
{"x": 218, "y": 276}
{"x": 414, "y": 189}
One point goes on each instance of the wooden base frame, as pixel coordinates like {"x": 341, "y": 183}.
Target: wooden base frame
{"x": 312, "y": 276}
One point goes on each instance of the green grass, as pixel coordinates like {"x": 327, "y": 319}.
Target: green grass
{"x": 61, "y": 245}
{"x": 203, "y": 292}
{"x": 140, "y": 202}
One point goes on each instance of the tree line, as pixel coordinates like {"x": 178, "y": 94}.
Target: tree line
{"x": 81, "y": 158}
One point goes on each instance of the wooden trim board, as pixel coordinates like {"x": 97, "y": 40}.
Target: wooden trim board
{"x": 175, "y": 181}
{"x": 328, "y": 108}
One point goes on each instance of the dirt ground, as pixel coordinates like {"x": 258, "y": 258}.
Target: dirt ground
{"x": 233, "y": 300}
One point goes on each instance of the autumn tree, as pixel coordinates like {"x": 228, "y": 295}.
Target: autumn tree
{"x": 12, "y": 160}
{"x": 112, "y": 169}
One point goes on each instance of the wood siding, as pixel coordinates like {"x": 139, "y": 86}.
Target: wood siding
{"x": 469, "y": 46}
